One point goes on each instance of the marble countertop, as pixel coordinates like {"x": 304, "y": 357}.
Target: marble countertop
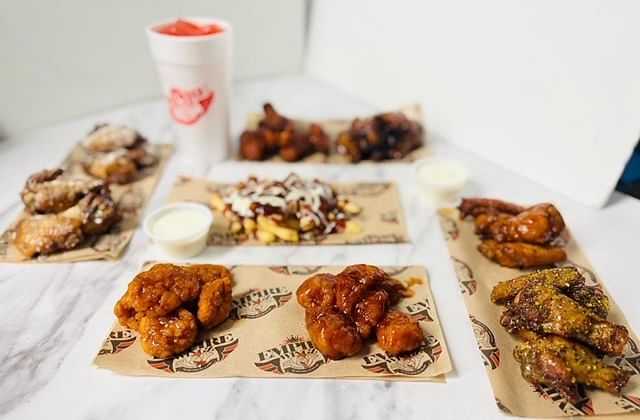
{"x": 53, "y": 318}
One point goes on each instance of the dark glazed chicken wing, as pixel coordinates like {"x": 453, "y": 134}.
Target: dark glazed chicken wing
{"x": 49, "y": 191}
{"x": 541, "y": 308}
{"x": 398, "y": 333}
{"x": 353, "y": 283}
{"x": 370, "y": 311}
{"x": 520, "y": 254}
{"x": 477, "y": 206}
{"x": 562, "y": 364}
{"x": 317, "y": 293}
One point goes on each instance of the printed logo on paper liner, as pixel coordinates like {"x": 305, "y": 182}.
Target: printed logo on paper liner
{"x": 363, "y": 189}
{"x": 582, "y": 407}
{"x": 420, "y": 311}
{"x": 486, "y": 343}
{"x": 295, "y": 355}
{"x": 388, "y": 238}
{"x": 200, "y": 357}
{"x": 390, "y": 217}
{"x": 503, "y": 407}
{"x": 117, "y": 341}
{"x": 628, "y": 402}
{"x": 187, "y": 106}
{"x": 257, "y": 303}
{"x": 449, "y": 228}
{"x": 468, "y": 285}
{"x": 630, "y": 360}
{"x": 412, "y": 364}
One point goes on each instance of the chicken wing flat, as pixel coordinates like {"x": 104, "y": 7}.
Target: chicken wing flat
{"x": 543, "y": 309}
{"x": 168, "y": 335}
{"x": 47, "y": 234}
{"x": 568, "y": 280}
{"x": 317, "y": 293}
{"x": 520, "y": 254}
{"x": 563, "y": 364}
{"x": 353, "y": 283}
{"x": 540, "y": 224}
{"x": 370, "y": 311}
{"x": 398, "y": 333}
{"x": 156, "y": 292}
{"x": 477, "y": 206}
{"x": 121, "y": 166}
{"x": 107, "y": 138}
{"x": 333, "y": 334}
{"x": 49, "y": 191}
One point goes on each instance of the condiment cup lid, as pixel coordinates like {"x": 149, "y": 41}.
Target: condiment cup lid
{"x": 157, "y": 213}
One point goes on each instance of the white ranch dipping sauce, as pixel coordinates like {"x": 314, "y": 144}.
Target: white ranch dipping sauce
{"x": 441, "y": 181}
{"x": 180, "y": 229}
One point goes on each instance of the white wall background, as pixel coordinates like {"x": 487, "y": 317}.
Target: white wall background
{"x": 548, "y": 88}
{"x": 61, "y": 59}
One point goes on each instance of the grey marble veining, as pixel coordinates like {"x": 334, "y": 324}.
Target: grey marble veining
{"x": 53, "y": 317}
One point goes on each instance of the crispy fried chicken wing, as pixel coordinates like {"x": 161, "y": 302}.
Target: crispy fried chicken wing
{"x": 333, "y": 334}
{"x": 156, "y": 292}
{"x": 477, "y": 206}
{"x": 562, "y": 364}
{"x": 540, "y": 224}
{"x": 520, "y": 254}
{"x": 398, "y": 333}
{"x": 541, "y": 308}
{"x": 214, "y": 303}
{"x": 168, "y": 335}
{"x": 50, "y": 191}
{"x": 107, "y": 138}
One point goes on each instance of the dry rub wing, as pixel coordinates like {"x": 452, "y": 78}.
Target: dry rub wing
{"x": 563, "y": 364}
{"x": 544, "y": 309}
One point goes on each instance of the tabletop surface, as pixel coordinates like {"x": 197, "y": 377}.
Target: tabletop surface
{"x": 54, "y": 317}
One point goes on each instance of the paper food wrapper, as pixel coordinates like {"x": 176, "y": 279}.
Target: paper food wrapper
{"x": 131, "y": 199}
{"x": 334, "y": 126}
{"x": 266, "y": 337}
{"x": 381, "y": 219}
{"x": 477, "y": 276}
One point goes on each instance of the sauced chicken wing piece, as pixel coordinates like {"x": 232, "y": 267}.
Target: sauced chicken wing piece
{"x": 476, "y": 206}
{"x": 156, "y": 292}
{"x": 353, "y": 283}
{"x": 563, "y": 364}
{"x": 107, "y": 138}
{"x": 46, "y": 234}
{"x": 333, "y": 334}
{"x": 120, "y": 166}
{"x": 208, "y": 273}
{"x": 317, "y": 293}
{"x": 566, "y": 279}
{"x": 540, "y": 224}
{"x": 370, "y": 311}
{"x": 544, "y": 309}
{"x": 214, "y": 303}
{"x": 168, "y": 335}
{"x": 49, "y": 191}
{"x": 520, "y": 254}
{"x": 398, "y": 333}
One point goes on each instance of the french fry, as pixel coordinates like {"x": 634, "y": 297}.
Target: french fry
{"x": 216, "y": 202}
{"x": 249, "y": 225}
{"x": 235, "y": 227}
{"x": 286, "y": 234}
{"x": 351, "y": 208}
{"x": 352, "y": 227}
{"x": 265, "y": 237}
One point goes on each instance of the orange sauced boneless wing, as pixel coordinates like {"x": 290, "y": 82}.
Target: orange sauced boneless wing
{"x": 333, "y": 334}
{"x": 398, "y": 333}
{"x": 317, "y": 293}
{"x": 168, "y": 335}
{"x": 156, "y": 292}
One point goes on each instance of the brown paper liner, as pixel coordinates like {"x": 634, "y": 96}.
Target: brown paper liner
{"x": 265, "y": 337}
{"x": 131, "y": 199}
{"x": 334, "y": 126}
{"x": 477, "y": 276}
{"x": 382, "y": 219}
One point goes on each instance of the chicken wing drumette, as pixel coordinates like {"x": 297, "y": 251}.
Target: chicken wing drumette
{"x": 50, "y": 191}
{"x": 48, "y": 233}
{"x": 564, "y": 365}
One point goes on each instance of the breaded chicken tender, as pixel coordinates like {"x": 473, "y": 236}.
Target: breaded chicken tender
{"x": 156, "y": 292}
{"x": 168, "y": 335}
{"x": 398, "y": 333}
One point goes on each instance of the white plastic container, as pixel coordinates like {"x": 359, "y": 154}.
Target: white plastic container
{"x": 441, "y": 181}
{"x": 195, "y": 73}
{"x": 179, "y": 229}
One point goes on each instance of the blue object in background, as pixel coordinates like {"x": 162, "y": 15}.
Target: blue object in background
{"x": 629, "y": 182}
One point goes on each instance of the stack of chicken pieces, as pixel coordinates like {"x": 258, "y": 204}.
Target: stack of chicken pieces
{"x": 516, "y": 236}
{"x": 342, "y": 311}
{"x": 565, "y": 334}
{"x": 62, "y": 211}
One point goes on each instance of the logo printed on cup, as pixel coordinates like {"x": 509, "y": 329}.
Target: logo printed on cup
{"x": 187, "y": 106}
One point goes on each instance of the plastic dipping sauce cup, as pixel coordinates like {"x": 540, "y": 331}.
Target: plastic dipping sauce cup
{"x": 193, "y": 59}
